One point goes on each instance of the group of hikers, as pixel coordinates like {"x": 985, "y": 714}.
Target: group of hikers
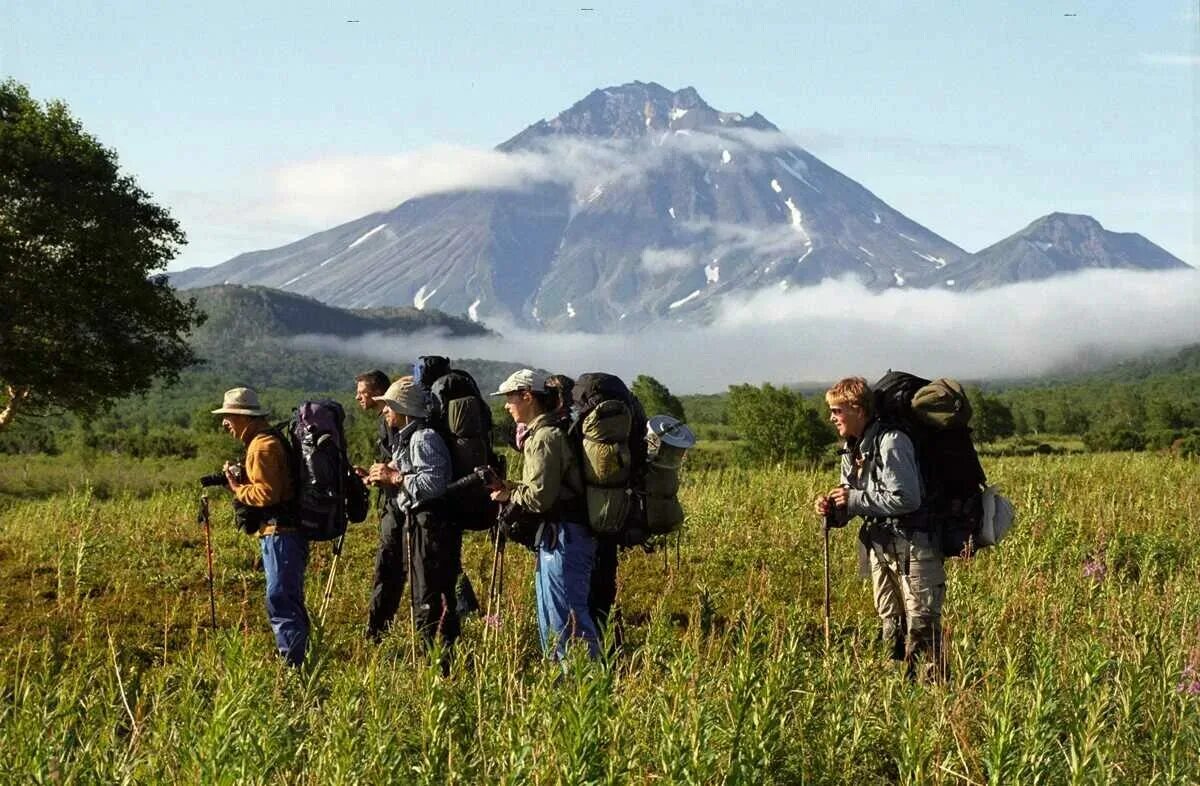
{"x": 565, "y": 508}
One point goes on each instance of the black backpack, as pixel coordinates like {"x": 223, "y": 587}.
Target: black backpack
{"x": 936, "y": 417}
{"x": 328, "y": 493}
{"x": 462, "y": 417}
{"x": 596, "y": 393}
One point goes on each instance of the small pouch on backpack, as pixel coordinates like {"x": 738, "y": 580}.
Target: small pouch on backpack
{"x": 607, "y": 508}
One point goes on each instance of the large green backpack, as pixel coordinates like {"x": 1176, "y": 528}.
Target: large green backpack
{"x": 608, "y": 436}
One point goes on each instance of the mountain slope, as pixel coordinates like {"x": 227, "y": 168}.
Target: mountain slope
{"x": 1055, "y": 244}
{"x": 651, "y": 205}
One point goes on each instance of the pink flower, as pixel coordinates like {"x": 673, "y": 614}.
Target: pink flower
{"x": 1095, "y": 569}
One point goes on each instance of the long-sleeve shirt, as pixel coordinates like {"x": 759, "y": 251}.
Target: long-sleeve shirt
{"x": 882, "y": 474}
{"x": 550, "y": 472}
{"x": 267, "y": 481}
{"x": 421, "y": 455}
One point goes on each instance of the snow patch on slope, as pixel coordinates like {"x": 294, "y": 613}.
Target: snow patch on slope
{"x": 778, "y": 189}
{"x": 473, "y": 310}
{"x": 938, "y": 262}
{"x": 364, "y": 237}
{"x": 420, "y": 299}
{"x": 712, "y": 273}
{"x": 795, "y": 173}
{"x": 687, "y": 299}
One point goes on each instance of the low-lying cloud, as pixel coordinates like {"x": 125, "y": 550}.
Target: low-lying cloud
{"x": 340, "y": 188}
{"x": 839, "y": 328}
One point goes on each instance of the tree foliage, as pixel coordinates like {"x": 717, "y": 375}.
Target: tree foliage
{"x": 82, "y": 320}
{"x": 775, "y": 424}
{"x": 991, "y": 418}
{"x": 656, "y": 398}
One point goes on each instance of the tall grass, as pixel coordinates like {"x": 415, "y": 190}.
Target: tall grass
{"x": 1067, "y": 644}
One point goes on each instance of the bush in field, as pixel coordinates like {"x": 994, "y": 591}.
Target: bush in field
{"x": 1189, "y": 444}
{"x": 656, "y": 398}
{"x": 776, "y": 424}
{"x": 1113, "y": 438}
{"x": 992, "y": 419}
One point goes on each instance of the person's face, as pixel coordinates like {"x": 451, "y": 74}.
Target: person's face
{"x": 364, "y": 394}
{"x": 235, "y": 424}
{"x": 393, "y": 418}
{"x": 519, "y": 405}
{"x": 848, "y": 419}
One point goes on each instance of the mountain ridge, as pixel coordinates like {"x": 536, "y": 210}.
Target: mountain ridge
{"x": 643, "y": 205}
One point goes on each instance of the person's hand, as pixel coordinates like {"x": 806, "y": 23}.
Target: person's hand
{"x": 362, "y": 473}
{"x": 382, "y": 474}
{"x": 821, "y": 504}
{"x": 501, "y": 494}
{"x": 230, "y": 468}
{"x": 840, "y": 496}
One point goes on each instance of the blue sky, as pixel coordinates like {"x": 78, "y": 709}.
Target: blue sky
{"x": 973, "y": 118}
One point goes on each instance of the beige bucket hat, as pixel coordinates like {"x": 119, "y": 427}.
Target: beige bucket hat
{"x": 241, "y": 401}
{"x": 405, "y": 398}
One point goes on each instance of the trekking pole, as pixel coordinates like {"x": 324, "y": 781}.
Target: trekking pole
{"x": 337, "y": 552}
{"x": 202, "y": 518}
{"x": 829, "y": 514}
{"x": 412, "y": 590}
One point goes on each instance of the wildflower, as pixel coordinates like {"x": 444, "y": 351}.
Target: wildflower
{"x": 1189, "y": 682}
{"x": 1095, "y": 569}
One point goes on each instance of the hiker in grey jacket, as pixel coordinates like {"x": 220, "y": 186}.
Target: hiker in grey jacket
{"x": 881, "y": 483}
{"x": 420, "y": 470}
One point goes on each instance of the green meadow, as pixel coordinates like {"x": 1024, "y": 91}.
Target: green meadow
{"x": 1074, "y": 647}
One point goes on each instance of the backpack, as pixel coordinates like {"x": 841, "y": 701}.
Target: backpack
{"x": 463, "y": 419}
{"x": 667, "y": 439}
{"x": 609, "y": 441}
{"x": 936, "y": 416}
{"x": 327, "y": 492}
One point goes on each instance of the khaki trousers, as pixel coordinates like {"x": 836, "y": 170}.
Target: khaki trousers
{"x": 908, "y": 578}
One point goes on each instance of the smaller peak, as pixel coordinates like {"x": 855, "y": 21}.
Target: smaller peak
{"x": 689, "y": 98}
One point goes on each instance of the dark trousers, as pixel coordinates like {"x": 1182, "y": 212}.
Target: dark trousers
{"x": 390, "y": 572}
{"x": 437, "y": 554}
{"x": 604, "y": 579}
{"x": 436, "y": 558}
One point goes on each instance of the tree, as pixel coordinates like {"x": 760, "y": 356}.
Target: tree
{"x": 656, "y": 398}
{"x": 992, "y": 419}
{"x": 775, "y": 424}
{"x": 82, "y": 320}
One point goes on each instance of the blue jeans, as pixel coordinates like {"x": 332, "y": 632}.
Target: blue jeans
{"x": 284, "y": 559}
{"x": 562, "y": 580}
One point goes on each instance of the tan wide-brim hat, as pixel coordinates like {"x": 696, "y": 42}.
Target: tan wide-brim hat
{"x": 241, "y": 401}
{"x": 405, "y": 398}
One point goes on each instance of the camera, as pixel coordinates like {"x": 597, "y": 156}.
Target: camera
{"x": 219, "y": 479}
{"x": 480, "y": 477}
